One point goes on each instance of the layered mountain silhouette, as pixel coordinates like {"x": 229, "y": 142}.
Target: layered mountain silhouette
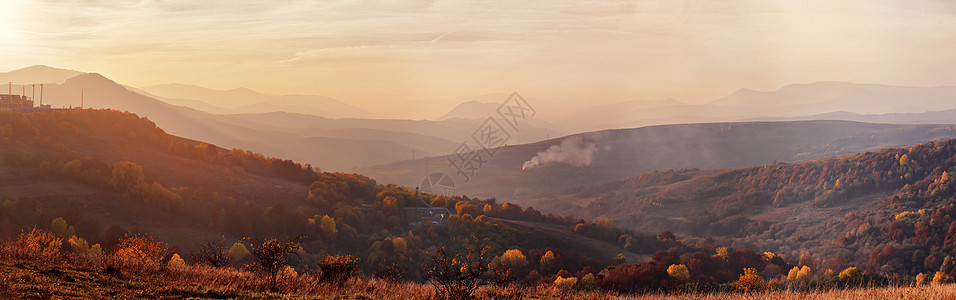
{"x": 792, "y": 102}
{"x": 334, "y": 144}
{"x": 37, "y": 74}
{"x": 317, "y": 129}
{"x": 242, "y": 100}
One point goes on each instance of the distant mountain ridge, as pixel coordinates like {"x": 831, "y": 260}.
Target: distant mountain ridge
{"x": 791, "y": 102}
{"x": 471, "y": 110}
{"x": 324, "y": 152}
{"x": 282, "y": 133}
{"x": 327, "y": 143}
{"x": 243, "y": 100}
{"x": 37, "y": 74}
{"x": 932, "y": 117}
{"x": 879, "y": 97}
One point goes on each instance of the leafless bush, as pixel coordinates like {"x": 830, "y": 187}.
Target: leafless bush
{"x": 457, "y": 278}
{"x": 270, "y": 255}
{"x": 337, "y": 269}
{"x": 211, "y": 253}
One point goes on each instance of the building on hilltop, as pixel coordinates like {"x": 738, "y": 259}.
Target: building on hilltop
{"x": 15, "y": 102}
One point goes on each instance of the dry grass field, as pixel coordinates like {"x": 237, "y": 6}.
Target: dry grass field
{"x": 945, "y": 291}
{"x": 25, "y": 273}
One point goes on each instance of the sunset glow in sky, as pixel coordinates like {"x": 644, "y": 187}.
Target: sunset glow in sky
{"x": 370, "y": 52}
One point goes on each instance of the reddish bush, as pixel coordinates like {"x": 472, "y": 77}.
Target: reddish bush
{"x": 634, "y": 278}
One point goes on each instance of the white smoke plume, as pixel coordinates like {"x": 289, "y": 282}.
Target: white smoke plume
{"x": 576, "y": 151}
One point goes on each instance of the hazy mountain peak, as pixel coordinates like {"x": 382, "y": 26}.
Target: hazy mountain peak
{"x": 796, "y": 94}
{"x": 746, "y": 92}
{"x": 45, "y": 68}
{"x": 471, "y": 110}
{"x": 172, "y": 84}
{"x": 89, "y": 77}
{"x": 180, "y": 87}
{"x": 245, "y": 100}
{"x": 244, "y": 90}
{"x": 38, "y": 74}
{"x": 94, "y": 80}
{"x": 820, "y": 87}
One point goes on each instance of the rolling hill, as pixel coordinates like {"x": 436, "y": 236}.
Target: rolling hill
{"x": 888, "y": 210}
{"x": 107, "y": 172}
{"x": 598, "y": 157}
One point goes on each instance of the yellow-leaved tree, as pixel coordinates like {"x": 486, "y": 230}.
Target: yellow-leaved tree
{"x": 679, "y": 272}
{"x": 723, "y": 253}
{"x": 851, "y": 276}
{"x": 565, "y": 285}
{"x": 40, "y": 240}
{"x": 804, "y": 273}
{"x": 750, "y": 281}
{"x": 792, "y": 275}
{"x": 176, "y": 262}
{"x": 140, "y": 248}
{"x": 548, "y": 263}
{"x": 939, "y": 278}
{"x": 327, "y": 228}
{"x": 59, "y": 226}
{"x": 126, "y": 175}
{"x": 514, "y": 259}
{"x": 238, "y": 252}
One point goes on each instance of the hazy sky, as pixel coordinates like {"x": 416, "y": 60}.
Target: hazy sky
{"x": 366, "y": 52}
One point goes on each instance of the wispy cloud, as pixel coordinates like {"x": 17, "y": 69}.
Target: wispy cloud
{"x": 691, "y": 50}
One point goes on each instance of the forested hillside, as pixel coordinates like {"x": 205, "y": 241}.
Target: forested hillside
{"x": 99, "y": 179}
{"x": 98, "y": 175}
{"x": 889, "y": 211}
{"x": 520, "y": 173}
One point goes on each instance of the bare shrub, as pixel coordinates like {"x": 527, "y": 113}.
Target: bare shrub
{"x": 211, "y": 253}
{"x": 337, "y": 269}
{"x": 459, "y": 276}
{"x": 391, "y": 271}
{"x": 270, "y": 256}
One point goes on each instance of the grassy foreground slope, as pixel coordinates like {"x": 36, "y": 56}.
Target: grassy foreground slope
{"x": 26, "y": 274}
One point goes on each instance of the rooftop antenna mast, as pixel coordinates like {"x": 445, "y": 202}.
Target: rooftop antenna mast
{"x": 418, "y": 211}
